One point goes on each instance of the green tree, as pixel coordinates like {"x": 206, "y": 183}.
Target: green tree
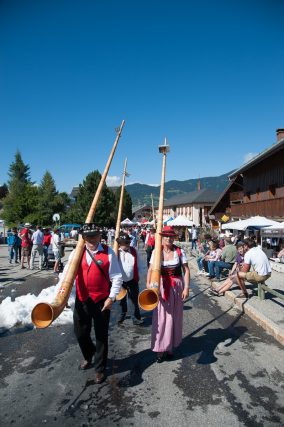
{"x": 46, "y": 195}
{"x": 3, "y": 191}
{"x": 104, "y": 214}
{"x": 127, "y": 204}
{"x": 21, "y": 201}
{"x": 18, "y": 171}
{"x": 50, "y": 201}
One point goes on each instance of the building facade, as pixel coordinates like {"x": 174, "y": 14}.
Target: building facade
{"x": 256, "y": 188}
{"x": 194, "y": 206}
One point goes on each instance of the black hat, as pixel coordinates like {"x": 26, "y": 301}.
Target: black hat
{"x": 90, "y": 229}
{"x": 123, "y": 238}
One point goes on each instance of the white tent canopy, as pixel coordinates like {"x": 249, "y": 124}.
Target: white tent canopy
{"x": 180, "y": 221}
{"x": 127, "y": 222}
{"x": 254, "y": 221}
{"x": 279, "y": 225}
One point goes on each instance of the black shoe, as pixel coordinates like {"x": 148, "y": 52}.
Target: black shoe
{"x": 86, "y": 364}
{"x": 121, "y": 319}
{"x": 100, "y": 377}
{"x": 138, "y": 322}
{"x": 160, "y": 358}
{"x": 169, "y": 356}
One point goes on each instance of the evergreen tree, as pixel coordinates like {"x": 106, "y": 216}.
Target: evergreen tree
{"x": 50, "y": 201}
{"x": 18, "y": 171}
{"x": 104, "y": 214}
{"x": 46, "y": 194}
{"x": 21, "y": 201}
{"x": 3, "y": 191}
{"x": 127, "y": 204}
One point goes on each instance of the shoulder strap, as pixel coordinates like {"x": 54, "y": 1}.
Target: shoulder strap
{"x": 178, "y": 251}
{"x": 97, "y": 264}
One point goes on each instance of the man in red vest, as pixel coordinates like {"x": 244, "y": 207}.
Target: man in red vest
{"x": 94, "y": 298}
{"x": 128, "y": 262}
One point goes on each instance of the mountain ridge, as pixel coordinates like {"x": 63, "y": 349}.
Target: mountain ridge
{"x": 141, "y": 193}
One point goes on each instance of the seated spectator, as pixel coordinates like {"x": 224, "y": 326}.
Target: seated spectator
{"x": 203, "y": 249}
{"x": 281, "y": 253}
{"x": 227, "y": 260}
{"x": 255, "y": 258}
{"x": 214, "y": 255}
{"x": 232, "y": 279}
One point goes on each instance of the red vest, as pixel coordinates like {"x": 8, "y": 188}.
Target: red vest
{"x": 135, "y": 268}
{"x": 151, "y": 240}
{"x": 90, "y": 281}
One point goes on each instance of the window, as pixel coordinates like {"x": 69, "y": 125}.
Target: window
{"x": 272, "y": 189}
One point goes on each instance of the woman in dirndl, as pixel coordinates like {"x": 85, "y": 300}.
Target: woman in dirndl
{"x": 174, "y": 289}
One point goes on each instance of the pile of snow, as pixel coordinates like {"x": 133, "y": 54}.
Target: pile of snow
{"x": 18, "y": 312}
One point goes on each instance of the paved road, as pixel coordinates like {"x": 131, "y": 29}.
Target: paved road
{"x": 227, "y": 372}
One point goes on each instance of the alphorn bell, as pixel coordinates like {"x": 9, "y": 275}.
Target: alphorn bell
{"x": 44, "y": 314}
{"x": 123, "y": 291}
{"x": 148, "y": 299}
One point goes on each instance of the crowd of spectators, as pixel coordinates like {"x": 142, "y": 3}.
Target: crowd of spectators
{"x": 232, "y": 260}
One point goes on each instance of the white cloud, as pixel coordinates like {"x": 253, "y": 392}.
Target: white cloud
{"x": 113, "y": 181}
{"x": 248, "y": 157}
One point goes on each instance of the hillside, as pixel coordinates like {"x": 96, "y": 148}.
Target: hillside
{"x": 141, "y": 193}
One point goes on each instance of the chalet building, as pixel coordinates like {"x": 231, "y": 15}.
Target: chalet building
{"x": 143, "y": 213}
{"x": 256, "y": 188}
{"x": 194, "y": 205}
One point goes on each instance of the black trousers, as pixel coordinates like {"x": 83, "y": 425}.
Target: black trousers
{"x": 84, "y": 314}
{"x": 149, "y": 251}
{"x": 132, "y": 292}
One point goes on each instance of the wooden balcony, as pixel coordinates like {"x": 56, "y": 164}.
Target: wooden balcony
{"x": 273, "y": 208}
{"x": 236, "y": 196}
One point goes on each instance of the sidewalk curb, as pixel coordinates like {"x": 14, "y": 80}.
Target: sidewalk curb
{"x": 267, "y": 324}
{"x": 263, "y": 321}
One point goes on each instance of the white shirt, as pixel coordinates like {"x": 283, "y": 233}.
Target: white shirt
{"x": 173, "y": 261}
{"x": 194, "y": 234}
{"x": 55, "y": 240}
{"x": 258, "y": 260}
{"x": 37, "y": 238}
{"x": 73, "y": 233}
{"x": 114, "y": 269}
{"x": 126, "y": 263}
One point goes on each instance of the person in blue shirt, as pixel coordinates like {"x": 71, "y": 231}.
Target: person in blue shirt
{"x": 14, "y": 242}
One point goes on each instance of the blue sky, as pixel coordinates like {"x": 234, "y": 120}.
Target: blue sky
{"x": 206, "y": 74}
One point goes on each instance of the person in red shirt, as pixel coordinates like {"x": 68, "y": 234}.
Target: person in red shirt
{"x": 46, "y": 243}
{"x": 26, "y": 236}
{"x": 150, "y": 244}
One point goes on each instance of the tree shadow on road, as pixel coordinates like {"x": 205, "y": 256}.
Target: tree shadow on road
{"x": 136, "y": 364}
{"x": 207, "y": 343}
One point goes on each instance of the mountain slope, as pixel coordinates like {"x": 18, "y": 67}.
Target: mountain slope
{"x": 141, "y": 193}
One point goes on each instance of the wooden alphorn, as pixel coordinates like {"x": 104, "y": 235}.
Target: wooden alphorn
{"x": 123, "y": 291}
{"x": 43, "y": 314}
{"x": 148, "y": 299}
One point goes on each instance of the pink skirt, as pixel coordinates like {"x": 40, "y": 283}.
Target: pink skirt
{"x": 167, "y": 320}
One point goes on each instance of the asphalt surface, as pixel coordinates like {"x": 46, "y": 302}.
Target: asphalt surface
{"x": 227, "y": 372}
